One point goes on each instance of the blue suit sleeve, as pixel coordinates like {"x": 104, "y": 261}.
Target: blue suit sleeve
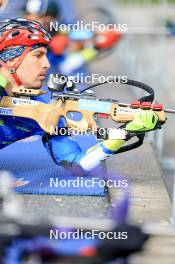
{"x": 66, "y": 149}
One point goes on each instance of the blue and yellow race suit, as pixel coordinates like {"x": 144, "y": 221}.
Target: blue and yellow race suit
{"x": 63, "y": 149}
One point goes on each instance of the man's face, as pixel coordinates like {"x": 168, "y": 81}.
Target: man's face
{"x": 33, "y": 69}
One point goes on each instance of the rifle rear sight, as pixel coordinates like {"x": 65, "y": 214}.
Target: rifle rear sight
{"x": 64, "y": 88}
{"x": 60, "y": 83}
{"x": 75, "y": 95}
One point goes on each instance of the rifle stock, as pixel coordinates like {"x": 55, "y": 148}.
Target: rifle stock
{"x": 47, "y": 115}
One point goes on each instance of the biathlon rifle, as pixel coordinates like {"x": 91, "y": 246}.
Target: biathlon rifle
{"x": 81, "y": 109}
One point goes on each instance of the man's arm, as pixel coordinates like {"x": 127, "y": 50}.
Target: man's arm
{"x": 67, "y": 153}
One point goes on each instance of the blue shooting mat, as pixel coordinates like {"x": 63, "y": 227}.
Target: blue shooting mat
{"x": 36, "y": 173}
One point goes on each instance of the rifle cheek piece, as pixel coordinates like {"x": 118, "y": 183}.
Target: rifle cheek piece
{"x": 22, "y": 91}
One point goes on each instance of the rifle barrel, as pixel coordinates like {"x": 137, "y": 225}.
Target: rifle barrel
{"x": 166, "y": 110}
{"x": 152, "y": 31}
{"x": 170, "y": 111}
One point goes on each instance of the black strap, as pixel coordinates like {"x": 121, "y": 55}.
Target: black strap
{"x": 1, "y": 91}
{"x": 134, "y": 145}
{"x": 142, "y": 86}
{"x": 46, "y": 140}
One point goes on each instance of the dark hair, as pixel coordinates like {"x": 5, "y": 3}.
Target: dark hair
{"x": 53, "y": 9}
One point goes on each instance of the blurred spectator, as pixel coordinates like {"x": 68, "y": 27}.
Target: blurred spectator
{"x": 44, "y": 11}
